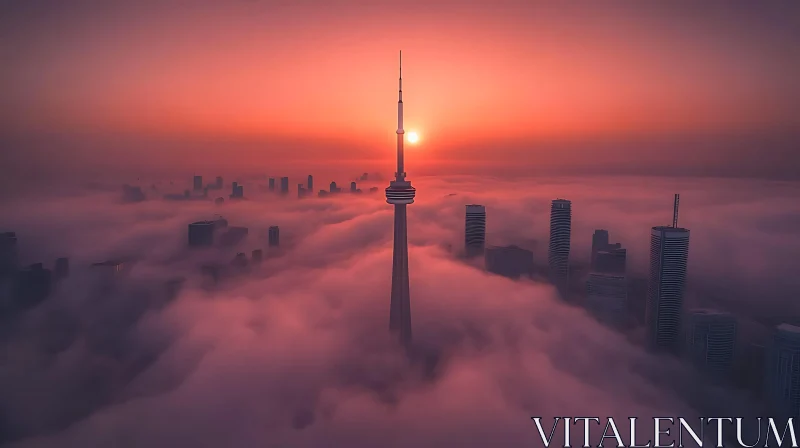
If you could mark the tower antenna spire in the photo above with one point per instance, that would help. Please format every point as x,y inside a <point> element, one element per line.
<point>675,210</point>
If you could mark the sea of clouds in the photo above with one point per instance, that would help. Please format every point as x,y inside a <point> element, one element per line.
<point>296,352</point>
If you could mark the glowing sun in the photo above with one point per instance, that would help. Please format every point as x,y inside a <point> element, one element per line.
<point>413,137</point>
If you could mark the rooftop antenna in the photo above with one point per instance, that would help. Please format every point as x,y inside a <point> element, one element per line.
<point>675,211</point>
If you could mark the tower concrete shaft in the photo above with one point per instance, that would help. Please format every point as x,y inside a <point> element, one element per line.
<point>400,193</point>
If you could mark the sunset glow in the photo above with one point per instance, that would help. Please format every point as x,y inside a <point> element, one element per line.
<point>413,137</point>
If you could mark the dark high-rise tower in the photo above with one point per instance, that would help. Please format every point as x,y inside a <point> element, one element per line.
<point>284,185</point>
<point>400,193</point>
<point>558,251</point>
<point>274,236</point>
<point>310,184</point>
<point>475,230</point>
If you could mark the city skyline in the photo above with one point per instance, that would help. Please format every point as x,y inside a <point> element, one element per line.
<point>206,237</point>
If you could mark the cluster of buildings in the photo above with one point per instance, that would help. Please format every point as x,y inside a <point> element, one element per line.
<point>25,287</point>
<point>217,232</point>
<point>707,337</point>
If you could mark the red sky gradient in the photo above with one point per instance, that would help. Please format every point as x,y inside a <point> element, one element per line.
<point>500,78</point>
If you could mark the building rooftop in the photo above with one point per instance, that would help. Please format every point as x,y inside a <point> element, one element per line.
<point>670,229</point>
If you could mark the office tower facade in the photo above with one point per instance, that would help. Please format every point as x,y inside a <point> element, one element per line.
<point>400,193</point>
<point>509,261</point>
<point>669,255</point>
<point>782,372</point>
<point>274,236</point>
<point>198,183</point>
<point>353,187</point>
<point>201,234</point>
<point>711,341</point>
<point>474,230</point>
<point>612,261</point>
<point>558,249</point>
<point>607,287</point>
<point>271,184</point>
<point>284,185</point>
<point>599,242</point>
<point>310,186</point>
<point>9,260</point>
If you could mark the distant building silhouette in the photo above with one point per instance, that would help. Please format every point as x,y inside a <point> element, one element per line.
<point>34,284</point>
<point>558,250</point>
<point>310,186</point>
<point>301,190</point>
<point>711,341</point>
<point>322,193</point>
<point>219,201</point>
<point>607,287</point>
<point>61,269</point>
<point>109,272</point>
<point>240,261</point>
<point>353,187</point>
<point>274,236</point>
<point>9,262</point>
<point>284,185</point>
<point>474,230</point>
<point>600,243</point>
<point>782,372</point>
<point>237,191</point>
<point>509,261</point>
<point>373,189</point>
<point>257,256</point>
<point>669,254</point>
<point>334,188</point>
<point>271,184</point>
<point>198,183</point>
<point>219,184</point>
<point>132,194</point>
<point>220,223</point>
<point>201,234</point>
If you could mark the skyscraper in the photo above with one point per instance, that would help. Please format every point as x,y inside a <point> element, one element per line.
<point>274,236</point>
<point>271,184</point>
<point>310,184</point>
<point>475,230</point>
<point>558,250</point>
<point>669,254</point>
<point>218,184</point>
<point>607,287</point>
<point>599,242</point>
<point>198,183</point>
<point>400,193</point>
<point>9,261</point>
<point>284,185</point>
<point>782,372</point>
<point>711,340</point>
<point>201,234</point>
<point>353,187</point>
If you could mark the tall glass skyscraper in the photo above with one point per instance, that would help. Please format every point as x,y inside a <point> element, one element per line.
<point>669,254</point>
<point>558,250</point>
<point>475,230</point>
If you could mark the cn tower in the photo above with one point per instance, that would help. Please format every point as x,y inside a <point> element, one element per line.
<point>400,193</point>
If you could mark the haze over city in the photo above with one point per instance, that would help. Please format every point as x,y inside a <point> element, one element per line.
<point>210,235</point>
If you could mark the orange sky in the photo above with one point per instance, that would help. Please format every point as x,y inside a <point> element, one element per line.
<point>473,75</point>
